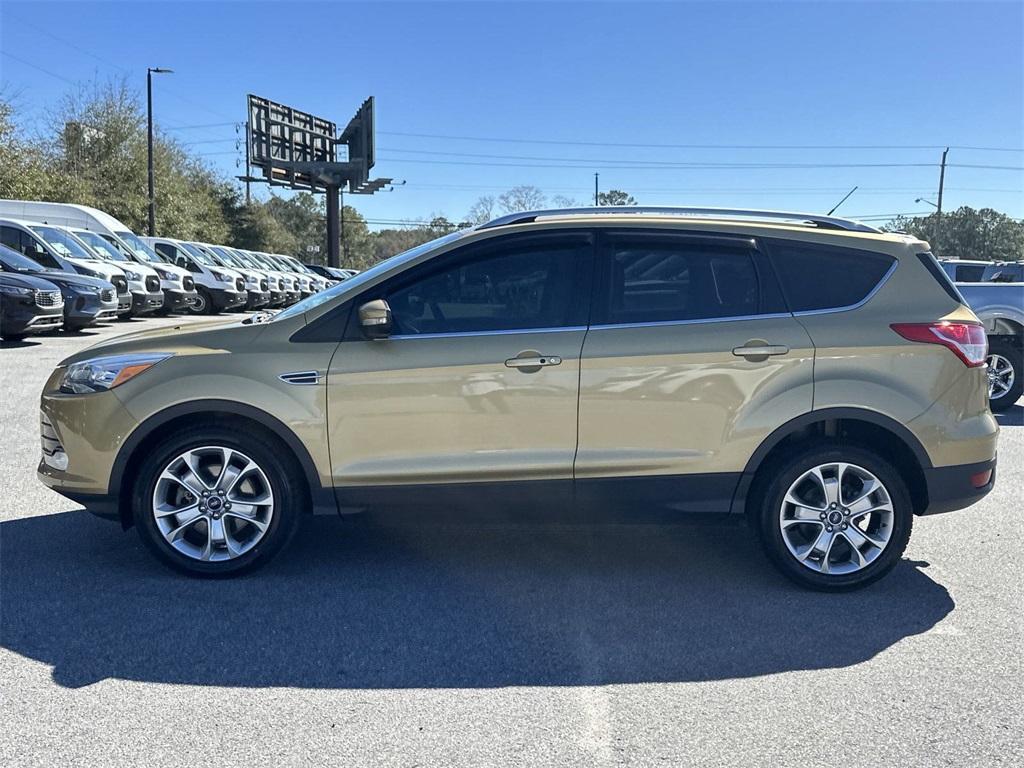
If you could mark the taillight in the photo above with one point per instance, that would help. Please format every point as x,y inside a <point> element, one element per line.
<point>965,340</point>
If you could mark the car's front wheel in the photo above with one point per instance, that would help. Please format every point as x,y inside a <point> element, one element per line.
<point>835,517</point>
<point>211,503</point>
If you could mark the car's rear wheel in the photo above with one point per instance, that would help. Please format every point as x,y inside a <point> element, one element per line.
<point>1005,374</point>
<point>835,517</point>
<point>208,502</point>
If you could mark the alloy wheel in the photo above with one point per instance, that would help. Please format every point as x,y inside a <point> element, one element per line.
<point>1001,376</point>
<point>213,503</point>
<point>836,518</point>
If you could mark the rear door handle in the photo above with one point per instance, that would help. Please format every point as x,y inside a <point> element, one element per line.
<point>533,362</point>
<point>761,350</point>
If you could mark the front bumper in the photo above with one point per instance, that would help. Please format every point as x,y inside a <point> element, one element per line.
<point>144,303</point>
<point>257,299</point>
<point>959,486</point>
<point>228,299</point>
<point>87,308</point>
<point>277,298</point>
<point>124,303</point>
<point>21,318</point>
<point>179,299</point>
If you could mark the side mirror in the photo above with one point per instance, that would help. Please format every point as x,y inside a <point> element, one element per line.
<point>375,319</point>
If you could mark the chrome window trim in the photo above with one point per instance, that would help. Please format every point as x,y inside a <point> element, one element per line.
<point>507,332</point>
<point>660,323</point>
<point>871,294</point>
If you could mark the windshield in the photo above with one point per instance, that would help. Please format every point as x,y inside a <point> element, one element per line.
<point>139,248</point>
<point>356,282</point>
<point>226,257</point>
<point>200,254</point>
<point>63,243</point>
<point>104,249</point>
<point>246,260</point>
<point>15,262</point>
<point>264,262</point>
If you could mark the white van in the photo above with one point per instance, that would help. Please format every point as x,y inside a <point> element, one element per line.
<point>218,288</point>
<point>167,278</point>
<point>64,242</point>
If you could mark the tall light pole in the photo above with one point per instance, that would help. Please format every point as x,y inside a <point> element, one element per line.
<point>150,71</point>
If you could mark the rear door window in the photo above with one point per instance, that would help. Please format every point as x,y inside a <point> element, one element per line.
<point>820,277</point>
<point>645,280</point>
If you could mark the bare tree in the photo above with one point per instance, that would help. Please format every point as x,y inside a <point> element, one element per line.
<point>482,210</point>
<point>522,198</point>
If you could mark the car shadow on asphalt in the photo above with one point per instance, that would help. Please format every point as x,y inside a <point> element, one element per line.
<point>1012,416</point>
<point>364,607</point>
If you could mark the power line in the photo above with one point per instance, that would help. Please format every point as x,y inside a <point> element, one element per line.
<point>578,143</point>
<point>37,67</point>
<point>124,71</point>
<point>194,127</point>
<point>641,165</point>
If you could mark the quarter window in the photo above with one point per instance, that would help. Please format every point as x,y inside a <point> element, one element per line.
<point>487,291</point>
<point>664,282</point>
<point>823,277</point>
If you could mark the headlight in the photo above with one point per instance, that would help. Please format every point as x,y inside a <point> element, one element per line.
<point>224,278</point>
<point>132,275</point>
<point>14,290</point>
<point>101,373</point>
<point>166,275</point>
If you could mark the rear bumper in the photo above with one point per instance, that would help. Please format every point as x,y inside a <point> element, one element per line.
<point>959,486</point>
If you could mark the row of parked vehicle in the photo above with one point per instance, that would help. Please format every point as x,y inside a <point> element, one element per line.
<point>70,266</point>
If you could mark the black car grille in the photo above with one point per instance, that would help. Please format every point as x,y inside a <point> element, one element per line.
<point>239,284</point>
<point>188,283</point>
<point>152,284</point>
<point>263,285</point>
<point>120,283</point>
<point>108,294</point>
<point>49,299</point>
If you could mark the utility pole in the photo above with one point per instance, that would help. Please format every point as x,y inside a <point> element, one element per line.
<point>938,207</point>
<point>595,190</point>
<point>248,171</point>
<point>341,219</point>
<point>150,71</point>
<point>333,203</point>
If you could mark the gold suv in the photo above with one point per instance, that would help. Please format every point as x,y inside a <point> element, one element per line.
<point>811,375</point>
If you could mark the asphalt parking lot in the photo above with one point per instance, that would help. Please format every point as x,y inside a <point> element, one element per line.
<point>497,645</point>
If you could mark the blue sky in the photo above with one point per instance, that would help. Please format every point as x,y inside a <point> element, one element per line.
<point>574,85</point>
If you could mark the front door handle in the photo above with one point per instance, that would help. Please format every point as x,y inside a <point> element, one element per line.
<point>534,361</point>
<point>761,351</point>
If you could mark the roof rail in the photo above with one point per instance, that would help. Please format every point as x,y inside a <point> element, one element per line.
<point>815,219</point>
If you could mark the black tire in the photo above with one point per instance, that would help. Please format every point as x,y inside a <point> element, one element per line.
<point>286,481</point>
<point>1012,350</point>
<point>773,483</point>
<point>203,304</point>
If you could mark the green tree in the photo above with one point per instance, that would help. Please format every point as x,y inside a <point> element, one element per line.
<point>25,172</point>
<point>966,233</point>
